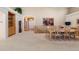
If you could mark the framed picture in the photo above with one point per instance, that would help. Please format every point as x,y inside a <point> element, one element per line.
<point>48,21</point>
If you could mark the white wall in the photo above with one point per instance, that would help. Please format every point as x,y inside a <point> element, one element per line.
<point>39,13</point>
<point>3,23</point>
<point>19,18</point>
<point>2,18</point>
<point>73,18</point>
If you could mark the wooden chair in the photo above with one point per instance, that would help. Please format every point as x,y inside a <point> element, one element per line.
<point>66,33</point>
<point>51,30</point>
<point>72,33</point>
<point>77,34</point>
<point>58,34</point>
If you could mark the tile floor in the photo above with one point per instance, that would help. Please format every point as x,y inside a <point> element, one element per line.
<point>29,41</point>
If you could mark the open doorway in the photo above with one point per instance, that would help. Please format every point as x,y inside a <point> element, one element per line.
<point>28,23</point>
<point>11,24</point>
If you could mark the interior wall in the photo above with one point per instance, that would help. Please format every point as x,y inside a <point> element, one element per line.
<point>3,23</point>
<point>58,13</point>
<point>73,18</point>
<point>18,18</point>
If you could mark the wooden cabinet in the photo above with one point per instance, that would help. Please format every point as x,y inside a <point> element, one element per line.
<point>11,24</point>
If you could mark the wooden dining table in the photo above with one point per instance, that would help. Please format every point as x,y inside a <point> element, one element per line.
<point>62,30</point>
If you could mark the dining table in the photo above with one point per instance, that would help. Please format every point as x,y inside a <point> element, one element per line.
<point>70,31</point>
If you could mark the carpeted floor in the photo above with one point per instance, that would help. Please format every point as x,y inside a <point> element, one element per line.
<point>29,41</point>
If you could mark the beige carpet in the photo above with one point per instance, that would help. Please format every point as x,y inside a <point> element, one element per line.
<point>29,41</point>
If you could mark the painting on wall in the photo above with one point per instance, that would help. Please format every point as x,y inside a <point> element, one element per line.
<point>48,21</point>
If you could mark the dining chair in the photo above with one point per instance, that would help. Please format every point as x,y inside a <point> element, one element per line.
<point>66,33</point>
<point>58,34</point>
<point>51,31</point>
<point>72,33</point>
<point>77,34</point>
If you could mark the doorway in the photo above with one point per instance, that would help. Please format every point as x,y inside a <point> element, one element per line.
<point>28,23</point>
<point>11,24</point>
